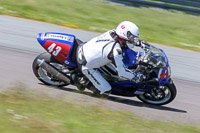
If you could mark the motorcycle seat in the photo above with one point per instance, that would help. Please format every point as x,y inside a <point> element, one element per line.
<point>77,42</point>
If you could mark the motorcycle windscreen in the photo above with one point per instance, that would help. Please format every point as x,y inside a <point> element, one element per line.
<point>57,44</point>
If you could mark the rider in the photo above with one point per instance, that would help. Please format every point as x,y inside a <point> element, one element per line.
<point>105,49</point>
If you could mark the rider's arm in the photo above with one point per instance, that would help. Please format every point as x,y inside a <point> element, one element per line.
<point>117,54</point>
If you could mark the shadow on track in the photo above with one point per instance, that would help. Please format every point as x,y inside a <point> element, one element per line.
<point>124,100</point>
<point>141,104</point>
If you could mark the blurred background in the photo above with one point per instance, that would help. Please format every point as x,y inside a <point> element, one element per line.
<point>33,107</point>
<point>169,22</point>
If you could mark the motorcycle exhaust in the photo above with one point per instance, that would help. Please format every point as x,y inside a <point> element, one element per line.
<point>53,71</point>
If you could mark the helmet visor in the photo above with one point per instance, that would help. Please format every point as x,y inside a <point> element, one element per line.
<point>131,38</point>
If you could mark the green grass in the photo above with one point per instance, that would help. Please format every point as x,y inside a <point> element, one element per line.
<point>22,111</point>
<point>169,28</point>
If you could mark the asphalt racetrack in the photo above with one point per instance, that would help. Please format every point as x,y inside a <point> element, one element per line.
<point>19,47</point>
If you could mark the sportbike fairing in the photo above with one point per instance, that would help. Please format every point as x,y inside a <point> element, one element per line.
<point>59,45</point>
<point>157,58</point>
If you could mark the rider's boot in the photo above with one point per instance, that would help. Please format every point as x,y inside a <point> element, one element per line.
<point>79,82</point>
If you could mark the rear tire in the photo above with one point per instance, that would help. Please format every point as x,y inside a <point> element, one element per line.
<point>42,74</point>
<point>168,97</point>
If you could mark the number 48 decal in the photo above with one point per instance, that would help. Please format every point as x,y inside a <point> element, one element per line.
<point>56,51</point>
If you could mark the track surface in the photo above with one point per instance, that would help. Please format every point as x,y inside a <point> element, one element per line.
<point>19,47</point>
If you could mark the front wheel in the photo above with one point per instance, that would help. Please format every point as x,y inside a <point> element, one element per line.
<point>159,96</point>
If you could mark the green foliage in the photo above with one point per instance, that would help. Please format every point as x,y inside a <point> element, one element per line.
<point>159,26</point>
<point>23,111</point>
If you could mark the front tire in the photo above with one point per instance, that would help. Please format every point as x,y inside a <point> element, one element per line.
<point>42,74</point>
<point>164,96</point>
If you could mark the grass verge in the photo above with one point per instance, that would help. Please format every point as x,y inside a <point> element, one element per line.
<point>22,111</point>
<point>170,28</point>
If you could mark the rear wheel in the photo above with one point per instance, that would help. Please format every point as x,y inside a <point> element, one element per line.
<point>159,96</point>
<point>43,75</point>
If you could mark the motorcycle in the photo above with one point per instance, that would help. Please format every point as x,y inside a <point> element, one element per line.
<point>58,67</point>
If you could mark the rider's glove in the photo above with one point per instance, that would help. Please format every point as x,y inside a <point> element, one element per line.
<point>144,44</point>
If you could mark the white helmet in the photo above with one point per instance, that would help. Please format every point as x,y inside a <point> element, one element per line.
<point>129,32</point>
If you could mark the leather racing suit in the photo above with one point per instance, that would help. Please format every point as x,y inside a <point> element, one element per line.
<point>98,52</point>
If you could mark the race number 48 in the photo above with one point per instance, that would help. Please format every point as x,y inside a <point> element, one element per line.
<point>56,50</point>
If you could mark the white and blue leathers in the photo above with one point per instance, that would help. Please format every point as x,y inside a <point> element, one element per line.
<point>98,52</point>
